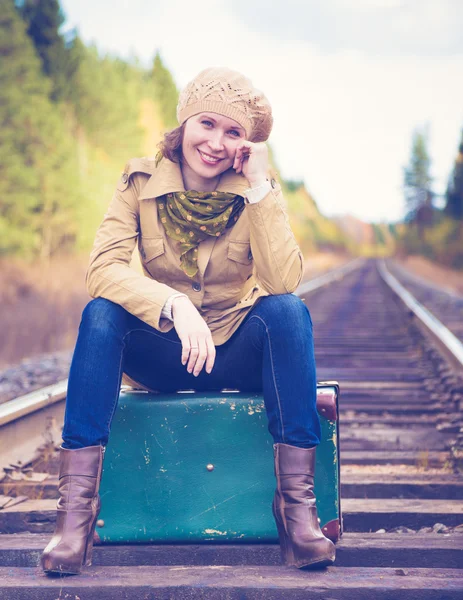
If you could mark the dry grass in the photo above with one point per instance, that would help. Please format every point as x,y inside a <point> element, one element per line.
<point>40,306</point>
<point>434,273</point>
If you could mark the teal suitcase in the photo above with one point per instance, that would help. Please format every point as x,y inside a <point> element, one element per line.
<point>194,467</point>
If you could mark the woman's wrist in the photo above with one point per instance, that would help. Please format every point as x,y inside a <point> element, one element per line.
<point>257,181</point>
<point>257,193</point>
<point>179,300</point>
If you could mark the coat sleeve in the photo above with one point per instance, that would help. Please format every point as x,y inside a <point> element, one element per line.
<point>278,260</point>
<point>109,274</point>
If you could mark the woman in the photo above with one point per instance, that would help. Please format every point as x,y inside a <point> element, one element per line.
<point>214,309</point>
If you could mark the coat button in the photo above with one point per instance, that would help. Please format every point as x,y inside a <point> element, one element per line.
<point>273,183</point>
<point>196,286</point>
<point>124,178</point>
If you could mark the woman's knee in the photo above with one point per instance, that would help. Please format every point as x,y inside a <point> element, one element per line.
<point>286,308</point>
<point>101,315</point>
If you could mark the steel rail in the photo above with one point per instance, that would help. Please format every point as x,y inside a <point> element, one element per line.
<point>444,335</point>
<point>332,275</point>
<point>29,403</point>
<point>428,284</point>
<point>24,405</point>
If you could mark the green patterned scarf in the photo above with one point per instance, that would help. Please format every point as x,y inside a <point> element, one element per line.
<point>191,217</point>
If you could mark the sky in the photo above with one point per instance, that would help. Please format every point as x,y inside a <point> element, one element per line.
<point>349,81</point>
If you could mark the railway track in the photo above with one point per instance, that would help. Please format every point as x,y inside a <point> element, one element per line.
<point>401,488</point>
<point>445,303</point>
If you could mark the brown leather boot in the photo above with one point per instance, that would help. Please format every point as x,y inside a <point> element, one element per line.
<point>77,511</point>
<point>302,542</point>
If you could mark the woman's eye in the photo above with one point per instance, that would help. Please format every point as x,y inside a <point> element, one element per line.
<point>207,122</point>
<point>235,133</point>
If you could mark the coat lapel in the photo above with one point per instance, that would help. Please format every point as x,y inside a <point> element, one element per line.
<point>168,178</point>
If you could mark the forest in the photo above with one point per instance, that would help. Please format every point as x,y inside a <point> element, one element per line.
<point>72,116</point>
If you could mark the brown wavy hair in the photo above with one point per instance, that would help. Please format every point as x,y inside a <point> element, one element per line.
<point>171,146</point>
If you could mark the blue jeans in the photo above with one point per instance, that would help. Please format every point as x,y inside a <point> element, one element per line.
<point>270,352</point>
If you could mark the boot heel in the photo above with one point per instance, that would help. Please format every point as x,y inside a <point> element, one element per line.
<point>89,548</point>
<point>287,554</point>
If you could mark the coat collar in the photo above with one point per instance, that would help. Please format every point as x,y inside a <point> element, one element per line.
<point>168,178</point>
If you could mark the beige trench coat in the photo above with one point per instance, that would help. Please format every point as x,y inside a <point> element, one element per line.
<point>256,257</point>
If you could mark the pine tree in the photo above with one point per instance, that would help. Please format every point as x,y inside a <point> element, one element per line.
<point>417,182</point>
<point>165,92</point>
<point>106,97</point>
<point>44,19</point>
<point>38,187</point>
<point>454,194</point>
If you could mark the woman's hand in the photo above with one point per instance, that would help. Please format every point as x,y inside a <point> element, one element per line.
<point>197,345</point>
<point>252,160</point>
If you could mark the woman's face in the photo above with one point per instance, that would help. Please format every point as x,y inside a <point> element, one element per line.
<point>209,143</point>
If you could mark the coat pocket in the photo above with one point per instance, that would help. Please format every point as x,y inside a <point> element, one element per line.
<point>240,265</point>
<point>151,248</point>
<point>153,256</point>
<point>240,252</point>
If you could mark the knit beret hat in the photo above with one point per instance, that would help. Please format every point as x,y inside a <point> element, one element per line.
<point>228,93</point>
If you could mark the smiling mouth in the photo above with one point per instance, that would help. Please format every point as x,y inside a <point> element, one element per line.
<point>210,160</point>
